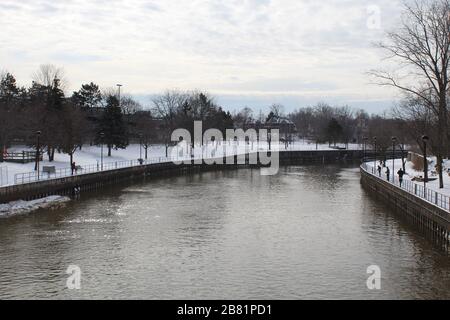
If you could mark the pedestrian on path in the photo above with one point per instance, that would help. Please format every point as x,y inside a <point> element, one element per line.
<point>400,173</point>
<point>379,171</point>
<point>388,174</point>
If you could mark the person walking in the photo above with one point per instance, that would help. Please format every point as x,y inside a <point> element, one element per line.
<point>388,174</point>
<point>379,171</point>
<point>400,173</point>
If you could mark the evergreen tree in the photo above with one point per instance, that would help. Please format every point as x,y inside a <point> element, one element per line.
<point>334,131</point>
<point>8,89</point>
<point>113,126</point>
<point>9,113</point>
<point>89,96</point>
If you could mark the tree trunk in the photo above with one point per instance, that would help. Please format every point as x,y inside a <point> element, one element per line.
<point>146,153</point>
<point>109,150</point>
<point>51,153</point>
<point>445,124</point>
<point>448,151</point>
<point>442,137</point>
<point>71,161</point>
<point>441,174</point>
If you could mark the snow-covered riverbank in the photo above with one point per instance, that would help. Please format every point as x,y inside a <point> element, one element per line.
<point>21,207</point>
<point>411,173</point>
<point>90,156</point>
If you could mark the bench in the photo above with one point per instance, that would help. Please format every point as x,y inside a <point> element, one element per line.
<point>49,170</point>
<point>338,148</point>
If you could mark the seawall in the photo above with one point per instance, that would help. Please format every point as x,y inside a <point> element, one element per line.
<point>429,219</point>
<point>67,186</point>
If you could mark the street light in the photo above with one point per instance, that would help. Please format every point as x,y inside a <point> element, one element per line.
<point>38,148</point>
<point>394,140</point>
<point>140,147</point>
<point>425,140</point>
<point>102,136</point>
<point>119,86</point>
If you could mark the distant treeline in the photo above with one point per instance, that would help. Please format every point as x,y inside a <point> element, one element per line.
<point>93,116</point>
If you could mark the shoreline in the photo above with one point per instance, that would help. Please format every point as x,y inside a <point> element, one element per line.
<point>430,220</point>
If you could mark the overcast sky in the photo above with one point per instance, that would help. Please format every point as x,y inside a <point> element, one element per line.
<point>244,52</point>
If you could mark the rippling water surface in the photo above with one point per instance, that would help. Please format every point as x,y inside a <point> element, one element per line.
<point>309,232</point>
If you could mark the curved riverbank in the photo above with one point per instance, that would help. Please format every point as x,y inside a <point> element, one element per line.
<point>70,185</point>
<point>430,220</point>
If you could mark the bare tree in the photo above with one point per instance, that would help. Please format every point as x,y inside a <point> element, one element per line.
<point>421,45</point>
<point>74,130</point>
<point>243,118</point>
<point>303,119</point>
<point>47,74</point>
<point>277,110</point>
<point>129,105</point>
<point>417,118</point>
<point>146,129</point>
<point>166,107</point>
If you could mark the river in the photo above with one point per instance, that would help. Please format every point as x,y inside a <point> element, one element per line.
<point>310,232</point>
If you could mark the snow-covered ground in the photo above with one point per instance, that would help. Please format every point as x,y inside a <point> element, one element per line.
<point>411,174</point>
<point>24,207</point>
<point>89,157</point>
<point>432,193</point>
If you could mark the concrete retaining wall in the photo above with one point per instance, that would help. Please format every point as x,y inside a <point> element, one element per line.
<point>87,182</point>
<point>431,220</point>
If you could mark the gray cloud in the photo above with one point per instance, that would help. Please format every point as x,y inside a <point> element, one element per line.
<point>226,47</point>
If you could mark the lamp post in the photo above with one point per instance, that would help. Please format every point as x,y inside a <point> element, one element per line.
<point>375,149</point>
<point>140,146</point>
<point>102,136</point>
<point>394,140</point>
<point>119,86</point>
<point>38,148</point>
<point>425,140</point>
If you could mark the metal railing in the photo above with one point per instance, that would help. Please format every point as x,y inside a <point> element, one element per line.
<point>24,156</point>
<point>200,154</point>
<point>29,177</point>
<point>420,191</point>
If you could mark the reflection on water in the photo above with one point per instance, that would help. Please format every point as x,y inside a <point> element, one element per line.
<point>309,232</point>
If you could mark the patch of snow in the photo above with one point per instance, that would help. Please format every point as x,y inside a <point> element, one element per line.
<point>25,207</point>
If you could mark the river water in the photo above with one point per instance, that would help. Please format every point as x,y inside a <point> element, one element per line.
<point>308,233</point>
